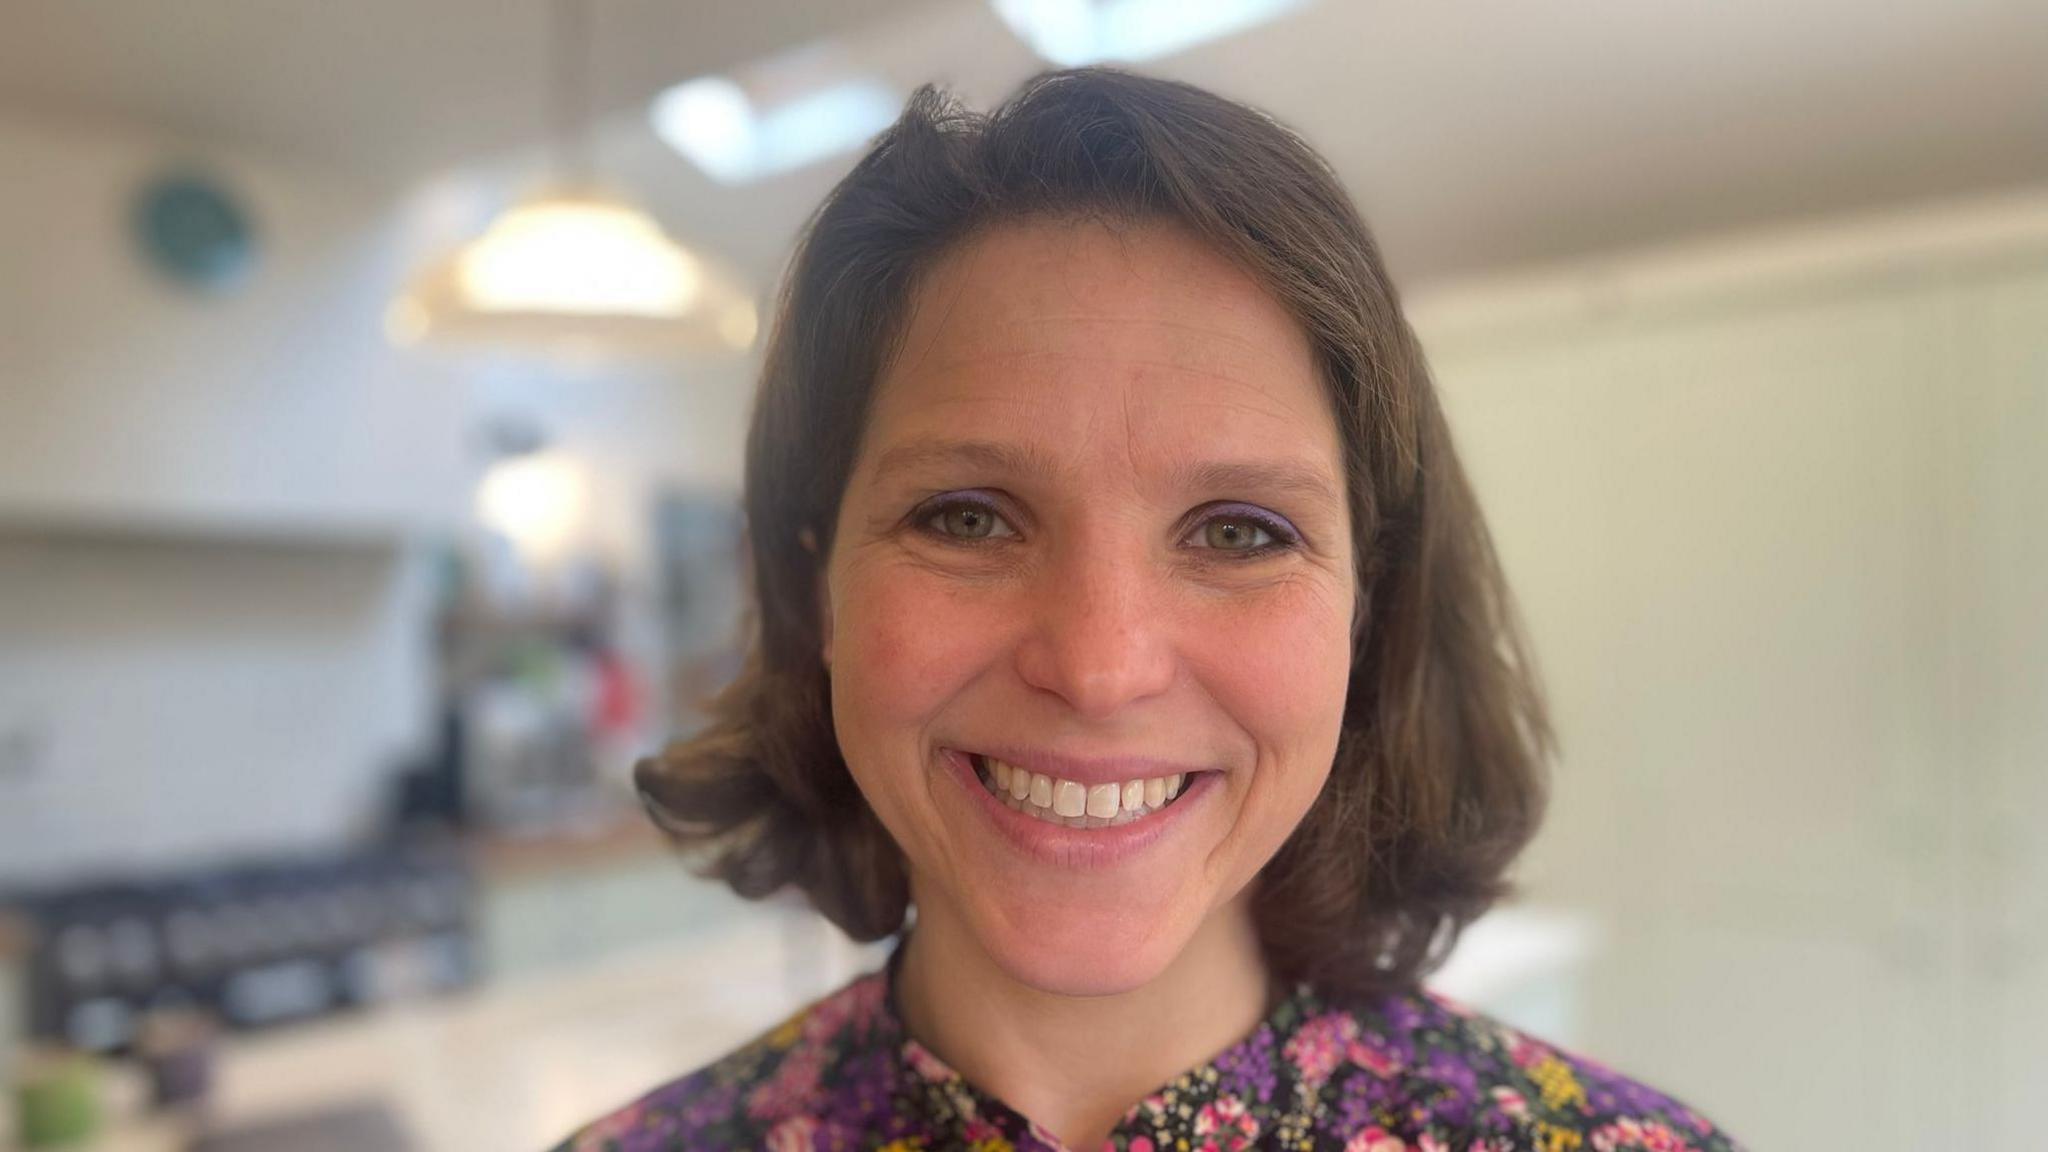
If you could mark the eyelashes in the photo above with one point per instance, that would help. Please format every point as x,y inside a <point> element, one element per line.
<point>966,518</point>
<point>1227,528</point>
<point>961,516</point>
<point>1278,534</point>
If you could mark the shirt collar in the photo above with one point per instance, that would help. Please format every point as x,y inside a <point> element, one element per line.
<point>1244,1090</point>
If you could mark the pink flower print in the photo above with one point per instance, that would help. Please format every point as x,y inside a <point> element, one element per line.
<point>793,1086</point>
<point>1225,1125</point>
<point>1511,1102</point>
<point>796,1080</point>
<point>1376,1139</point>
<point>1317,1046</point>
<point>1631,1135</point>
<point>1526,1053</point>
<point>1142,1144</point>
<point>1372,1052</point>
<point>793,1135</point>
<point>859,1003</point>
<point>866,1001</point>
<point>925,1064</point>
<point>616,1126</point>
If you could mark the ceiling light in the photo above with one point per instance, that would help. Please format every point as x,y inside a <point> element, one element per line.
<point>739,130</point>
<point>536,501</point>
<point>578,254</point>
<point>1071,33</point>
<point>575,267</point>
<point>577,270</point>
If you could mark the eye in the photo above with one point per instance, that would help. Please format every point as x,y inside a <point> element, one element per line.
<point>1235,535</point>
<point>1242,532</point>
<point>966,520</point>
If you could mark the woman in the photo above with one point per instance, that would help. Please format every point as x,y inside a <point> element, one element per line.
<point>1124,611</point>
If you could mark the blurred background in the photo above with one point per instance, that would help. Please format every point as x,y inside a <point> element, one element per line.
<point>373,379</point>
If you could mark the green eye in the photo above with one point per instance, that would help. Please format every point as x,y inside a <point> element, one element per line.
<point>1235,534</point>
<point>968,521</point>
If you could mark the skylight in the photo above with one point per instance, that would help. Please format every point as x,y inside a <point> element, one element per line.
<point>727,127</point>
<point>1071,33</point>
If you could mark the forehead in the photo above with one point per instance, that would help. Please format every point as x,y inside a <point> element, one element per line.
<point>1039,330</point>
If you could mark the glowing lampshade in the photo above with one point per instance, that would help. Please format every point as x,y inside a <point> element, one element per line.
<point>580,270</point>
<point>580,256</point>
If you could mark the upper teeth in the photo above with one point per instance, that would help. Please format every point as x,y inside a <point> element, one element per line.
<point>1088,805</point>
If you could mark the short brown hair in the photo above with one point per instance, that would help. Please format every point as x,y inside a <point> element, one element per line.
<point>1440,772</point>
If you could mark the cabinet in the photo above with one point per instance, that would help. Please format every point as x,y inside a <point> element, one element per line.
<point>1782,548</point>
<point>2002,701</point>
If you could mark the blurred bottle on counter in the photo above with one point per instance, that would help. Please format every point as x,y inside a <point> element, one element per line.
<point>539,706</point>
<point>58,1098</point>
<point>175,1047</point>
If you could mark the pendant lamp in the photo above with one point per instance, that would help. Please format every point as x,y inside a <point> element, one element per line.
<point>576,267</point>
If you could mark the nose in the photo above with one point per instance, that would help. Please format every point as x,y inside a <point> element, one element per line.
<point>1100,635</point>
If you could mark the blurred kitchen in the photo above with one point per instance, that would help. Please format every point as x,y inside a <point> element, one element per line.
<point>373,383</point>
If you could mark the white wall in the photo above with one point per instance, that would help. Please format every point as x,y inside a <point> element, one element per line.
<point>187,701</point>
<point>1998,705</point>
<point>209,596</point>
<point>213,508</point>
<point>279,403</point>
<point>1777,514</point>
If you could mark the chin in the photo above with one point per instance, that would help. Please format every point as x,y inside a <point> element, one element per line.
<point>1049,947</point>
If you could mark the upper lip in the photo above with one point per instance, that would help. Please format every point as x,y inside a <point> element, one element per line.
<point>1085,769</point>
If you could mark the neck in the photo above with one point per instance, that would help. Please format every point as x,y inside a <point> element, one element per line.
<point>1076,1064</point>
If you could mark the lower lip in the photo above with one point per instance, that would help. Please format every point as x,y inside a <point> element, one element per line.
<point>1083,848</point>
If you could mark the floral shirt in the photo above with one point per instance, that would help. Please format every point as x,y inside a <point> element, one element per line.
<point>1413,1072</point>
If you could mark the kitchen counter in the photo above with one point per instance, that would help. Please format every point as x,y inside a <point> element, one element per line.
<point>630,839</point>
<point>520,1063</point>
<point>550,905</point>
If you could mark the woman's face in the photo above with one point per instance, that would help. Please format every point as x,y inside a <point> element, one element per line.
<point>1097,532</point>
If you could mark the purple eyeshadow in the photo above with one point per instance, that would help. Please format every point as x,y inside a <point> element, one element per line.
<point>1275,524</point>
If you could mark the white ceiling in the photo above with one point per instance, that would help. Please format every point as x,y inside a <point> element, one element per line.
<point>400,85</point>
<point>1475,134</point>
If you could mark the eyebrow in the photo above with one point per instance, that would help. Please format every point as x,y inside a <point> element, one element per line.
<point>986,455</point>
<point>1281,476</point>
<point>1289,477</point>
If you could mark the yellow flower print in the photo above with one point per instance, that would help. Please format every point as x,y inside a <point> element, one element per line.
<point>1560,1088</point>
<point>786,1033</point>
<point>1550,1138</point>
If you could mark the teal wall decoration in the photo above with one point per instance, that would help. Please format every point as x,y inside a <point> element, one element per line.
<point>193,230</point>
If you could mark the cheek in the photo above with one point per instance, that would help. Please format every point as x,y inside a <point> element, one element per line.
<point>1280,665</point>
<point>904,644</point>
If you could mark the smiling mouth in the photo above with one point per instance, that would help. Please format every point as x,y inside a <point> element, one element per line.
<point>1076,805</point>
